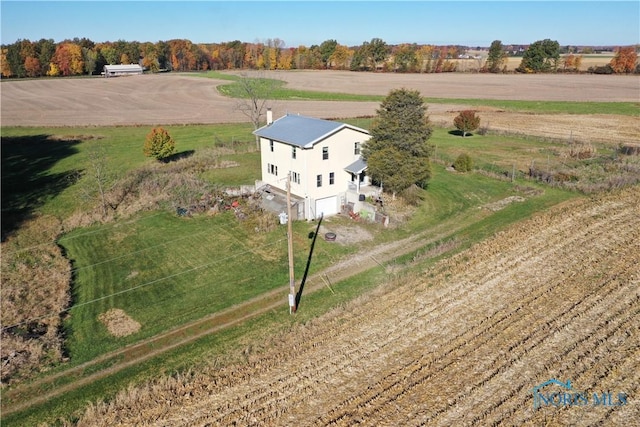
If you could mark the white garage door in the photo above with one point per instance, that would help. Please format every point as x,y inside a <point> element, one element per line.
<point>327,206</point>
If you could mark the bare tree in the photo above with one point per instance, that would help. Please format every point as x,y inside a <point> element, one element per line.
<point>254,94</point>
<point>98,177</point>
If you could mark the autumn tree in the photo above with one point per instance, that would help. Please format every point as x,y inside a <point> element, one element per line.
<point>68,58</point>
<point>151,62</point>
<point>425,58</point>
<point>405,58</point>
<point>466,121</point>
<point>109,54</point>
<point>577,62</point>
<point>159,144</point>
<point>4,65</point>
<point>398,152</point>
<point>32,66</point>
<point>232,54</point>
<point>272,53</point>
<point>541,56</point>
<point>624,61</point>
<point>496,59</point>
<point>571,62</point>
<point>53,70</point>
<point>340,57</point>
<point>285,59</point>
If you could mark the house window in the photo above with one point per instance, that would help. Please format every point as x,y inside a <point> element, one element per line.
<point>332,177</point>
<point>356,148</point>
<point>325,153</point>
<point>293,152</point>
<point>272,169</point>
<point>271,145</point>
<point>295,177</point>
<point>319,181</point>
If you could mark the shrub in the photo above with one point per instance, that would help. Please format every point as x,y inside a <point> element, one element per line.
<point>580,150</point>
<point>159,144</point>
<point>603,69</point>
<point>463,163</point>
<point>466,121</point>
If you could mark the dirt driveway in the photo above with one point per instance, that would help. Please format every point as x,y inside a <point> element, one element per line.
<point>186,99</point>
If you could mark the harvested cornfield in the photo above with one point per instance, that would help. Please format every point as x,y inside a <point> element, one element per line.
<point>464,343</point>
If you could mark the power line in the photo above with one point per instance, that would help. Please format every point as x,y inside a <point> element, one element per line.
<point>65,238</point>
<point>76,269</point>
<point>199,267</point>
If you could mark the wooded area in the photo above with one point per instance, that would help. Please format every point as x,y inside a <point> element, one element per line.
<point>26,58</point>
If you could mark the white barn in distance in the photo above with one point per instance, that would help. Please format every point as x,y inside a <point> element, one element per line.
<point>122,70</point>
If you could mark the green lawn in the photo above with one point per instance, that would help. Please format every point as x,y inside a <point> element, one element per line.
<point>52,157</point>
<point>164,270</point>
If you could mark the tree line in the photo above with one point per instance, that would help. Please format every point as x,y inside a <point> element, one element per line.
<point>44,57</point>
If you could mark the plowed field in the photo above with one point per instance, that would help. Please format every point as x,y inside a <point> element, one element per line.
<point>464,343</point>
<point>182,99</point>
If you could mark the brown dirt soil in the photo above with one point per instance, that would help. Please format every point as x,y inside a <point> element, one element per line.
<point>182,99</point>
<point>464,343</point>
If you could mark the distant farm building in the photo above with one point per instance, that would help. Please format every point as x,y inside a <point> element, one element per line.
<point>122,70</point>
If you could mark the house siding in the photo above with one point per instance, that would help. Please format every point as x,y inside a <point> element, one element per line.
<point>309,164</point>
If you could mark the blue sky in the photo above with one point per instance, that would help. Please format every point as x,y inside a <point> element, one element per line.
<point>471,23</point>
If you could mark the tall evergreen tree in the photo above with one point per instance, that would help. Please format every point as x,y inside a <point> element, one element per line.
<point>398,152</point>
<point>541,56</point>
<point>496,58</point>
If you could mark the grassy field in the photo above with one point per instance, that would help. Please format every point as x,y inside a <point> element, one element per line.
<point>56,155</point>
<point>150,240</point>
<point>163,270</point>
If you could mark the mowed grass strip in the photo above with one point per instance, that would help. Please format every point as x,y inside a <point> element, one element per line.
<point>163,272</point>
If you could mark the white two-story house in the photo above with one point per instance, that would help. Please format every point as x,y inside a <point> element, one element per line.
<point>322,158</point>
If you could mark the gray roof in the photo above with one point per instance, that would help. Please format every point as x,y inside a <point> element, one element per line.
<point>302,131</point>
<point>356,167</point>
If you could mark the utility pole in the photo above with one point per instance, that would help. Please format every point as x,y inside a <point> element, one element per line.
<point>292,279</point>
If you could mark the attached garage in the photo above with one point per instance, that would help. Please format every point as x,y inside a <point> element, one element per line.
<point>327,206</point>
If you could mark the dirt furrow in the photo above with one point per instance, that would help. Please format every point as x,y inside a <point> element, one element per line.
<point>377,394</point>
<point>383,392</point>
<point>525,321</point>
